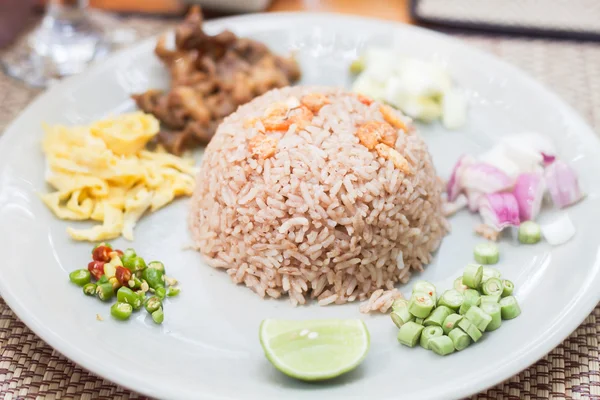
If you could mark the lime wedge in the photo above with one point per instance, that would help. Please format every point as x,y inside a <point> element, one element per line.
<point>314,350</point>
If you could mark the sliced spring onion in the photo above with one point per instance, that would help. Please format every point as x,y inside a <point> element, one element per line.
<point>529,232</point>
<point>509,307</point>
<point>507,288</point>
<point>559,231</point>
<point>427,287</point>
<point>486,253</point>
<point>472,275</point>
<point>492,287</point>
<point>490,298</point>
<point>410,333</point>
<point>419,321</point>
<point>452,299</point>
<point>399,303</point>
<point>489,272</point>
<point>478,318</point>
<point>459,338</point>
<point>428,333</point>
<point>420,304</point>
<point>472,298</point>
<point>459,285</point>
<point>401,316</point>
<point>470,329</point>
<point>494,311</point>
<point>437,317</point>
<point>529,191</point>
<point>451,322</point>
<point>441,345</point>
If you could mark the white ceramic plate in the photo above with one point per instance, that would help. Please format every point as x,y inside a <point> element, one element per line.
<point>208,347</point>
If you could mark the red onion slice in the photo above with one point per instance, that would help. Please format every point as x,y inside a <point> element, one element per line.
<point>499,210</point>
<point>451,208</point>
<point>485,178</point>
<point>527,149</point>
<point>563,184</point>
<point>454,187</point>
<point>529,192</point>
<point>473,198</point>
<point>548,159</point>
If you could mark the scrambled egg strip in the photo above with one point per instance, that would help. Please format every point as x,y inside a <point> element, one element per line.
<point>103,173</point>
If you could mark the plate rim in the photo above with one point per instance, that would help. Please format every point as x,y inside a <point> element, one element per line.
<point>124,378</point>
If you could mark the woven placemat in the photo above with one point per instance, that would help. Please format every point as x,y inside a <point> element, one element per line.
<point>30,369</point>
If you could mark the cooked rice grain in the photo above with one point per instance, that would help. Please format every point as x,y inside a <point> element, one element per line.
<point>324,217</point>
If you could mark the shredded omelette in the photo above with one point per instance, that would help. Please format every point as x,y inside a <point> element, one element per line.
<point>104,173</point>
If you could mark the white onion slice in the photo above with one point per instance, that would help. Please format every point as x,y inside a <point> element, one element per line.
<point>454,109</point>
<point>559,231</point>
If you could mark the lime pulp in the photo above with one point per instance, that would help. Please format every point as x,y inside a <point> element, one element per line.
<point>315,349</point>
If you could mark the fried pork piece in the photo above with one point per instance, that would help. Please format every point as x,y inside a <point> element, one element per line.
<point>210,77</point>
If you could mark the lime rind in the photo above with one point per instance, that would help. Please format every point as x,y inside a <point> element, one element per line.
<point>314,350</point>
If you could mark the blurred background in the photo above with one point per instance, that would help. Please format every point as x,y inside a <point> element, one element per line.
<point>44,40</point>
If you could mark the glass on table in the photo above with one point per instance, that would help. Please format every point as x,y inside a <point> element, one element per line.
<point>65,43</point>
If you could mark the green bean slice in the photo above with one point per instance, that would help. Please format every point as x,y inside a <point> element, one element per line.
<point>428,333</point>
<point>492,287</point>
<point>509,307</point>
<point>486,253</point>
<point>452,299</point>
<point>438,316</point>
<point>529,232</point>
<point>420,304</point>
<point>410,333</point>
<point>507,288</point>
<point>441,345</point>
<point>459,338</point>
<point>494,311</point>
<point>472,275</point>
<point>478,318</point>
